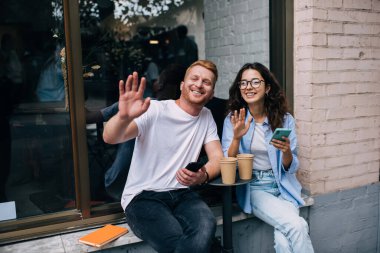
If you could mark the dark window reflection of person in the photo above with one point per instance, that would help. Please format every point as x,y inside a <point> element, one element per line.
<point>166,87</point>
<point>151,74</point>
<point>50,85</point>
<point>186,48</point>
<point>168,84</point>
<point>12,67</point>
<point>5,137</point>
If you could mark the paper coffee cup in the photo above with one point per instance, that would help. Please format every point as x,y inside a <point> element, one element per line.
<point>228,169</point>
<point>245,166</point>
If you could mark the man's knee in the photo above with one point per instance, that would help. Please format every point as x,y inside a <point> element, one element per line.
<point>206,226</point>
<point>198,235</point>
<point>164,240</point>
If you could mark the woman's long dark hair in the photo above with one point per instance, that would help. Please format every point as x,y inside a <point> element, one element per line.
<point>275,105</point>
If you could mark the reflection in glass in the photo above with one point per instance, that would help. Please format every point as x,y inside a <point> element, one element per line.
<point>35,145</point>
<point>121,37</point>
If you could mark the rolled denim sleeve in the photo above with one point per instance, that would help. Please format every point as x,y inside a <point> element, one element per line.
<point>227,135</point>
<point>290,123</point>
<point>110,111</point>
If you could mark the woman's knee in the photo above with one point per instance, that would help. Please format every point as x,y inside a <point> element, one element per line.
<point>302,226</point>
<point>281,243</point>
<point>298,228</point>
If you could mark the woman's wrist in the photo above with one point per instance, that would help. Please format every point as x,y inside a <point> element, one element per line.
<point>287,161</point>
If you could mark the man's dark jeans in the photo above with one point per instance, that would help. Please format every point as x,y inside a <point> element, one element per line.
<point>172,221</point>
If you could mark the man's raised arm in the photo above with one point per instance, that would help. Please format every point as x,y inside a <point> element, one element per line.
<point>121,127</point>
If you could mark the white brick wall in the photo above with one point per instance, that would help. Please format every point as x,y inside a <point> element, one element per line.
<point>336,80</point>
<point>237,32</point>
<point>337,93</point>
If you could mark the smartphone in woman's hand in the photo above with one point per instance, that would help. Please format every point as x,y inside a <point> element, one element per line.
<point>279,132</point>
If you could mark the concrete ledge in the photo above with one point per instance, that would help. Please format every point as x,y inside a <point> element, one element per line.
<point>69,242</point>
<point>238,215</point>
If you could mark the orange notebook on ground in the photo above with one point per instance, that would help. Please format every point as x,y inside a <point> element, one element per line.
<point>103,235</point>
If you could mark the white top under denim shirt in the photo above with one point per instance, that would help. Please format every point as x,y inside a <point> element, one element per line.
<point>259,149</point>
<point>287,181</point>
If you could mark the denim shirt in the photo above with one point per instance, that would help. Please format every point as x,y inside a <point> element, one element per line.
<point>110,111</point>
<point>287,182</point>
<point>120,166</point>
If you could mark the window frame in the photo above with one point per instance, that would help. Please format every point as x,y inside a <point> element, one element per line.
<point>281,63</point>
<point>83,215</point>
<point>281,43</point>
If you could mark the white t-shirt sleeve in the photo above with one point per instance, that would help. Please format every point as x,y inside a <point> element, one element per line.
<point>145,120</point>
<point>212,131</point>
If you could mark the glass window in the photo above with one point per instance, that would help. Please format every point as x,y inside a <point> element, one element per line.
<point>37,151</point>
<point>119,37</point>
<point>35,144</point>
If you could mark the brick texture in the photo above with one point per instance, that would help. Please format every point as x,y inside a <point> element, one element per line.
<point>336,80</point>
<point>337,63</point>
<point>236,32</point>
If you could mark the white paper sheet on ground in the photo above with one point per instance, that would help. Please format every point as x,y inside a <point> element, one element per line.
<point>7,210</point>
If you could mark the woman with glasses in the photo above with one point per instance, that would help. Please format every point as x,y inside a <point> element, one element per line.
<point>257,106</point>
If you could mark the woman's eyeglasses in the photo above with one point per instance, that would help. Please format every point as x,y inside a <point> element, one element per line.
<point>255,83</point>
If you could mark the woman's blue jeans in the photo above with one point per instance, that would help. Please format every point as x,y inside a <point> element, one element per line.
<point>291,232</point>
<point>172,221</point>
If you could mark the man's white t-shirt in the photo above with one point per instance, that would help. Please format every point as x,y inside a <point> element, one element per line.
<point>168,139</point>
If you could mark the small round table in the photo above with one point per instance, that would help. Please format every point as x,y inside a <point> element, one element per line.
<point>227,209</point>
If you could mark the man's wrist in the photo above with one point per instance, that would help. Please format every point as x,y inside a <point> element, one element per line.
<point>122,119</point>
<point>207,178</point>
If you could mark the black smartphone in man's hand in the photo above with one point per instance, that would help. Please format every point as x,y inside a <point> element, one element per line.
<point>194,166</point>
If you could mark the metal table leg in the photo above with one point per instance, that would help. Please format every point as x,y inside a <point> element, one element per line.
<point>227,210</point>
<point>227,219</point>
